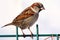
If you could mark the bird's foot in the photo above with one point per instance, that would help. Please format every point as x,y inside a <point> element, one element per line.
<point>32,36</point>
<point>24,35</point>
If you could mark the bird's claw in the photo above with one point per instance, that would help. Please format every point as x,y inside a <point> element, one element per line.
<point>24,35</point>
<point>32,36</point>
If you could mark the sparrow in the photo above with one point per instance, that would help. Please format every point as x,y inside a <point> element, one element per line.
<point>27,17</point>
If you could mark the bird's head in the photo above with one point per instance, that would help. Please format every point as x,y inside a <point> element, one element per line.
<point>37,6</point>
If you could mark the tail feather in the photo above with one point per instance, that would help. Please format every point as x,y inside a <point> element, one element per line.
<point>6,25</point>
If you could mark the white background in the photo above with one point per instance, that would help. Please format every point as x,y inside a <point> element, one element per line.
<point>49,19</point>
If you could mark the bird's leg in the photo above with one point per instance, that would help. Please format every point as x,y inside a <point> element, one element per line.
<point>31,33</point>
<point>23,33</point>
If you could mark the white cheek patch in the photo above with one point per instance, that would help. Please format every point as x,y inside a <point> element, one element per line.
<point>36,11</point>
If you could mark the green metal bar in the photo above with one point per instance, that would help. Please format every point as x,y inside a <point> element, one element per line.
<point>41,35</point>
<point>37,32</point>
<point>57,36</point>
<point>16,33</point>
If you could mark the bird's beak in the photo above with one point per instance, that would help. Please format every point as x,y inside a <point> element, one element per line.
<point>42,8</point>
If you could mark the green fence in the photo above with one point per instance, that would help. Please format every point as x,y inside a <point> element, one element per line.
<point>37,35</point>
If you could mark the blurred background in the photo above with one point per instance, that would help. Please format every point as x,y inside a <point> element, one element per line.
<point>48,21</point>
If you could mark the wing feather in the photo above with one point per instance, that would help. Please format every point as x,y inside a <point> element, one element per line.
<point>25,14</point>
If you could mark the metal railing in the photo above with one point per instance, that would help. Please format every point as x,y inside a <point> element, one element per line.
<point>37,35</point>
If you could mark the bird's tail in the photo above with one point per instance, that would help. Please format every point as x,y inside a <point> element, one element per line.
<point>6,25</point>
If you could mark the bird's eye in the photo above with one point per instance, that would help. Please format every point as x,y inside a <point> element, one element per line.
<point>41,5</point>
<point>38,6</point>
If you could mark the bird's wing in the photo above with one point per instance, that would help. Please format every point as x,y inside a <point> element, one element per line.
<point>25,14</point>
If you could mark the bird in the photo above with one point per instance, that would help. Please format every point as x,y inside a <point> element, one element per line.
<point>27,17</point>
